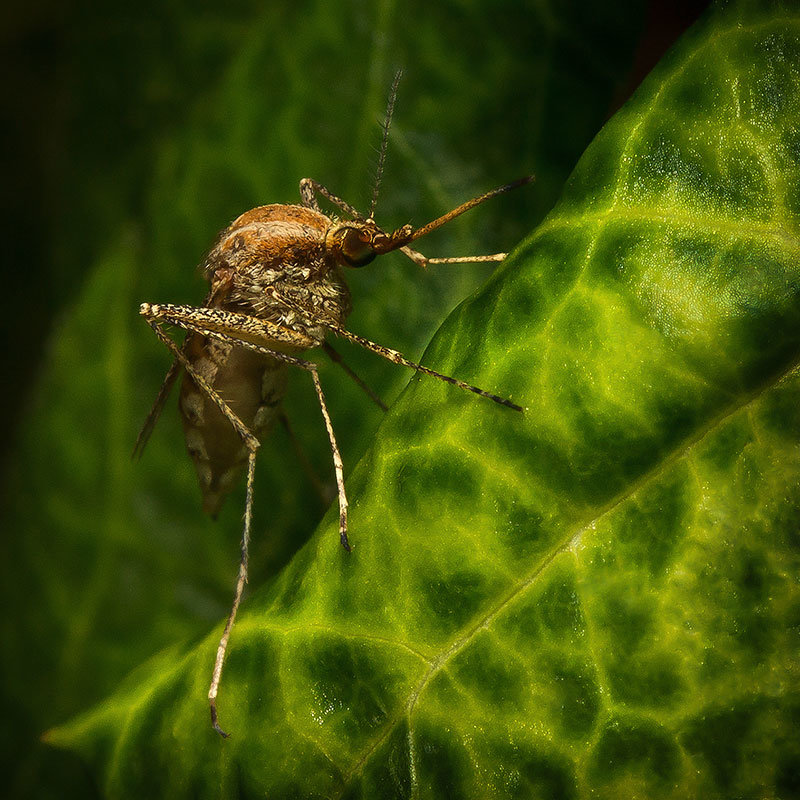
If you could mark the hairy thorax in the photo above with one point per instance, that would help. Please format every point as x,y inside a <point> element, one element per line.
<point>269,263</point>
<point>279,251</point>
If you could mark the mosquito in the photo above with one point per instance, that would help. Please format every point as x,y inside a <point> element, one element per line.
<point>276,291</point>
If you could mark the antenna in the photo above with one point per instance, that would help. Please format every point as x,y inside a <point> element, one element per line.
<point>457,212</point>
<point>387,121</point>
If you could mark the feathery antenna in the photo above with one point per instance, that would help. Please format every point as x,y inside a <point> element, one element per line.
<point>387,121</point>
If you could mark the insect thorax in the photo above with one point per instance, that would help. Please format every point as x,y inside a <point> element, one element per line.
<point>271,262</point>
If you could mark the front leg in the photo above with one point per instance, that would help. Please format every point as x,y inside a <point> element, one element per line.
<point>242,328</point>
<point>309,189</point>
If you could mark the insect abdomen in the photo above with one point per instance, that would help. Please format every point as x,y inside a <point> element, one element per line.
<point>252,385</point>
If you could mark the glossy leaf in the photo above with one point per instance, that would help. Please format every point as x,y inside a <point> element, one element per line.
<point>600,597</point>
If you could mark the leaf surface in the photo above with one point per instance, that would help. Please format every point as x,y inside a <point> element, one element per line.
<point>598,598</point>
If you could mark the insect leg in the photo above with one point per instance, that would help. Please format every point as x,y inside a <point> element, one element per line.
<point>155,411</point>
<point>230,327</point>
<point>393,355</point>
<point>308,196</point>
<point>252,445</point>
<point>329,350</point>
<point>424,261</point>
<point>309,189</point>
<point>324,495</point>
<point>241,581</point>
<point>337,458</point>
<point>250,441</point>
<point>240,328</point>
<point>399,358</point>
<point>337,359</point>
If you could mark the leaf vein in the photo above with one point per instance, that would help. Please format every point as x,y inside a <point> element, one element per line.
<point>569,542</point>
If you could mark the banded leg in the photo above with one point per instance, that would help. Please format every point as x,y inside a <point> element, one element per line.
<point>229,327</point>
<point>241,581</point>
<point>398,358</point>
<point>390,355</point>
<point>424,261</point>
<point>153,320</point>
<point>252,444</point>
<point>158,404</point>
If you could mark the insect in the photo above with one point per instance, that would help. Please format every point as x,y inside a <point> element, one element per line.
<point>276,290</point>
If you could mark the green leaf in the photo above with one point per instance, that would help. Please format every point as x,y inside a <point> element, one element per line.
<point>599,597</point>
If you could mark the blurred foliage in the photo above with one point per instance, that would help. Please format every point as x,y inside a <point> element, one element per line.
<point>173,118</point>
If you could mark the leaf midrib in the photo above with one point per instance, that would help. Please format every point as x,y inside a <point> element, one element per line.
<point>782,235</point>
<point>570,540</point>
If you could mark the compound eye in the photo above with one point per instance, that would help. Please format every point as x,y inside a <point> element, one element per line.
<point>356,247</point>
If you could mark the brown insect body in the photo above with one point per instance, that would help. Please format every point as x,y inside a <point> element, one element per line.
<point>270,249</point>
<point>276,290</point>
<point>253,387</point>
